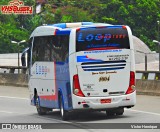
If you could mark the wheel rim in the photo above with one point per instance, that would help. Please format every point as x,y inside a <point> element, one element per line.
<point>62,110</point>
<point>37,104</point>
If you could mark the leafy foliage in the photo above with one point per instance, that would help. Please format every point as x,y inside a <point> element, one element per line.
<point>140,15</point>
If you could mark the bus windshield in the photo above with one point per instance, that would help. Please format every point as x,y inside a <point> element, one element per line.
<point>102,39</point>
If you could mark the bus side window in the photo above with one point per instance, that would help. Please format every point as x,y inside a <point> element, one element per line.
<point>51,48</point>
<point>65,48</point>
<point>41,49</point>
<point>47,53</point>
<point>56,47</point>
<point>60,48</point>
<point>46,48</point>
<point>58,43</point>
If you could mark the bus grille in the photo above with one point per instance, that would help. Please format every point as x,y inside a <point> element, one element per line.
<point>104,65</point>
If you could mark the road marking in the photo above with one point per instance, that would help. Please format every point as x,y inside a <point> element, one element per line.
<point>8,112</point>
<point>13,97</point>
<point>50,118</point>
<point>144,112</point>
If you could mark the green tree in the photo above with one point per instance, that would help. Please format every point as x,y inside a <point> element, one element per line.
<point>12,28</point>
<point>140,15</point>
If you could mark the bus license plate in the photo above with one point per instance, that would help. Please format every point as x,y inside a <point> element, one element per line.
<point>105,101</point>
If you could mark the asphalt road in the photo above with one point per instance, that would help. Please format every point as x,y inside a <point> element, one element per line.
<point>15,108</point>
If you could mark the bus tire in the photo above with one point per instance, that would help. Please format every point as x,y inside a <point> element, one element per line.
<point>120,111</point>
<point>110,113</point>
<point>40,110</point>
<point>64,113</point>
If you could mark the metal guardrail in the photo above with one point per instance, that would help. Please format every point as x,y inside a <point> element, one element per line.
<point>148,75</point>
<point>12,68</point>
<point>146,56</point>
<point>144,75</point>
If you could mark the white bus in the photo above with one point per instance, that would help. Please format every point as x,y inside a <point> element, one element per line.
<point>82,66</point>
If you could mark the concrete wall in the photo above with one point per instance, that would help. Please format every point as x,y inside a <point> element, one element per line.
<point>148,87</point>
<point>10,59</point>
<point>14,79</point>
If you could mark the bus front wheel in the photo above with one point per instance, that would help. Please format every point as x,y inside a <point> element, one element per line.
<point>64,113</point>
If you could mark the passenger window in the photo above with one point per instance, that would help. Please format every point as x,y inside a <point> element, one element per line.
<point>50,48</point>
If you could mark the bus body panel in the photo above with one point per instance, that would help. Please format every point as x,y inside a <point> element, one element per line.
<point>43,80</point>
<point>49,78</point>
<point>44,31</point>
<point>109,76</point>
<point>104,75</point>
<point>52,77</point>
<point>63,83</point>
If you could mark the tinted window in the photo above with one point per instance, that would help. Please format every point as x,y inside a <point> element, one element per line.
<point>40,49</point>
<point>59,48</point>
<point>102,38</point>
<point>50,48</point>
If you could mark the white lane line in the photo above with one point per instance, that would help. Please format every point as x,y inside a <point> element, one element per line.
<point>51,119</point>
<point>13,97</point>
<point>144,112</point>
<point>8,112</point>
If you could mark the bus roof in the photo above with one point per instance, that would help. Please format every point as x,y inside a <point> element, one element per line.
<point>65,28</point>
<point>51,28</point>
<point>71,25</point>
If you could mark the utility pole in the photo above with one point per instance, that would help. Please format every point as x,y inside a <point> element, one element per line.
<point>14,42</point>
<point>158,45</point>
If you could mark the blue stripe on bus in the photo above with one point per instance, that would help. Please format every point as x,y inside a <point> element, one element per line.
<point>63,25</point>
<point>63,83</point>
<point>104,62</point>
<point>103,66</point>
<point>94,26</point>
<point>114,26</point>
<point>104,69</point>
<point>87,59</point>
<point>63,32</point>
<point>60,25</point>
